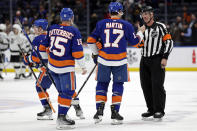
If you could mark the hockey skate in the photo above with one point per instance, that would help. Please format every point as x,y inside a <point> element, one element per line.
<point>147,116</point>
<point>46,114</point>
<point>29,75</point>
<point>17,77</point>
<point>99,114</point>
<point>79,112</point>
<point>115,116</point>
<point>64,123</point>
<point>158,116</point>
<point>22,75</point>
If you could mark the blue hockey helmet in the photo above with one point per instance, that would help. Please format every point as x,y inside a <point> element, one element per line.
<point>43,23</point>
<point>66,14</point>
<point>115,7</point>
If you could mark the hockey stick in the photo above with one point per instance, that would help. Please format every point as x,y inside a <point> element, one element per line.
<point>42,62</point>
<point>86,80</point>
<point>37,81</point>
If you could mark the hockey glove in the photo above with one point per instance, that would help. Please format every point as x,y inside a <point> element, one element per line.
<point>35,65</point>
<point>95,57</point>
<point>99,45</point>
<point>141,44</point>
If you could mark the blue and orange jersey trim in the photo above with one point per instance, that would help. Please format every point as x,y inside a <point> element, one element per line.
<point>62,63</point>
<point>91,40</point>
<point>42,48</point>
<point>35,59</point>
<point>78,55</point>
<point>112,56</point>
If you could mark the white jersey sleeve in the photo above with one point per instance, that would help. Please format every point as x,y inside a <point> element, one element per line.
<point>4,42</point>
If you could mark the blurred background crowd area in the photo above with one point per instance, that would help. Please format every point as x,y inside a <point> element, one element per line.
<point>178,15</point>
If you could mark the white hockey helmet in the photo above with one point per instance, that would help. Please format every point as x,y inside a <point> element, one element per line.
<point>17,26</point>
<point>31,30</point>
<point>2,27</point>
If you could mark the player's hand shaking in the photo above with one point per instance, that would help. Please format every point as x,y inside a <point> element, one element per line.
<point>142,28</point>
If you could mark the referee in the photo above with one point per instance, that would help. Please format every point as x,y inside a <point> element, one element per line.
<point>155,51</point>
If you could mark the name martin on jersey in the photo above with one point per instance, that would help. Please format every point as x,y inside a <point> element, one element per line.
<point>114,25</point>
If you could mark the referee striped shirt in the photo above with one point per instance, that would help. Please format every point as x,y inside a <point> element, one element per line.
<point>157,41</point>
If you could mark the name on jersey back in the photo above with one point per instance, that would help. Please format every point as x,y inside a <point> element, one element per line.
<point>114,25</point>
<point>60,32</point>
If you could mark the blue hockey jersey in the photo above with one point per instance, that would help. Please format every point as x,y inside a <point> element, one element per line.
<point>114,35</point>
<point>64,45</point>
<point>36,44</point>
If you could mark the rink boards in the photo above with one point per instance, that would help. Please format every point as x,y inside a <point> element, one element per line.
<point>180,59</point>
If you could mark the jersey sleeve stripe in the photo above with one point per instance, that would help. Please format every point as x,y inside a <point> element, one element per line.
<point>78,55</point>
<point>35,59</point>
<point>91,40</point>
<point>113,56</point>
<point>42,48</point>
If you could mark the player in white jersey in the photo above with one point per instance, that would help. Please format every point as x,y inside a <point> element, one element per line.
<point>31,35</point>
<point>17,39</point>
<point>4,45</point>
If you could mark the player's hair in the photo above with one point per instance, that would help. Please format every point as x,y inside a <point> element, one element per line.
<point>114,13</point>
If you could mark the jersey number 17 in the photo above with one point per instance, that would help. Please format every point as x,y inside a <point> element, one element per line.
<point>116,41</point>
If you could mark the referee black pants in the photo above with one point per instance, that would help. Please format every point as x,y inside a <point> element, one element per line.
<point>152,79</point>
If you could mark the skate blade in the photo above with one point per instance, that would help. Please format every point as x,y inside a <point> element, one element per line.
<point>96,121</point>
<point>147,118</point>
<point>116,122</point>
<point>158,119</point>
<point>44,118</point>
<point>65,127</point>
<point>81,117</point>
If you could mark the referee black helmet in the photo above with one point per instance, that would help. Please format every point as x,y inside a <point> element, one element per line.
<point>147,9</point>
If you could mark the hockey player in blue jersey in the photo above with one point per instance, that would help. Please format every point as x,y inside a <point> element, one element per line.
<point>40,29</point>
<point>65,48</point>
<point>114,34</point>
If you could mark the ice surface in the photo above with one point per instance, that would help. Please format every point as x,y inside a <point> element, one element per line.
<point>19,105</point>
